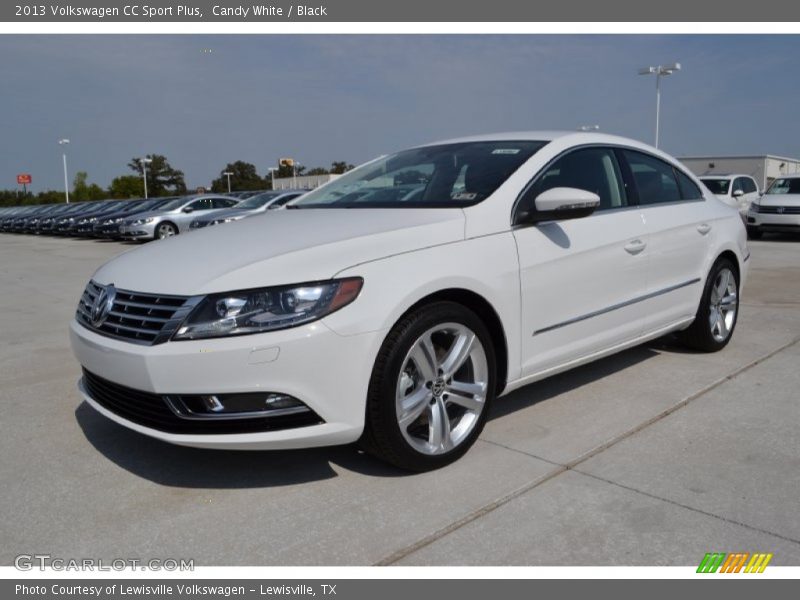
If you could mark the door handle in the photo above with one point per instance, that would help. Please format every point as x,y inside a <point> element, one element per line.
<point>703,228</point>
<point>635,246</point>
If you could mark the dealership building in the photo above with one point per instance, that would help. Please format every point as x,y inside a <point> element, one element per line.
<point>302,182</point>
<point>764,168</point>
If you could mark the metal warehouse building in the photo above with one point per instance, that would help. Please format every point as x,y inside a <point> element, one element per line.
<point>763,168</point>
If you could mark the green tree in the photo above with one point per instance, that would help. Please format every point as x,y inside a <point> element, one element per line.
<point>285,171</point>
<point>83,191</point>
<point>339,167</point>
<point>162,178</point>
<point>318,171</point>
<point>243,177</point>
<point>126,186</point>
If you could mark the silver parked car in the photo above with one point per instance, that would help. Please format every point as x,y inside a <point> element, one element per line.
<point>251,206</point>
<point>173,217</point>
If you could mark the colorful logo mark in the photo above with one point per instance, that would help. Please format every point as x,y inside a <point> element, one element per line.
<point>735,562</point>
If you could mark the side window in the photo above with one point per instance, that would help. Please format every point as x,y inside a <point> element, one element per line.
<point>738,185</point>
<point>688,189</point>
<point>655,179</point>
<point>749,186</point>
<point>591,169</point>
<point>202,204</point>
<point>223,202</point>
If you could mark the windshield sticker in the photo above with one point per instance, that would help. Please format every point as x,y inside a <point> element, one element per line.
<point>465,196</point>
<point>505,151</point>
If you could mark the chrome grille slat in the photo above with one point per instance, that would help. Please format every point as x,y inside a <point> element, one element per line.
<point>136,317</point>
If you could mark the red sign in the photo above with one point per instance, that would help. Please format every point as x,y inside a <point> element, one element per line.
<point>24,179</point>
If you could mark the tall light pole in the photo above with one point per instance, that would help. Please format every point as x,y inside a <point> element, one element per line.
<point>145,161</point>
<point>63,142</point>
<point>272,176</point>
<point>228,175</point>
<point>659,71</point>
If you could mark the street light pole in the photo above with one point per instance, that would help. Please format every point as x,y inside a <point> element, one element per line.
<point>659,71</point>
<point>228,175</point>
<point>145,162</point>
<point>272,176</point>
<point>64,142</point>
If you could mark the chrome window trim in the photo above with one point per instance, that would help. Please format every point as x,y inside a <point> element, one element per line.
<point>612,147</point>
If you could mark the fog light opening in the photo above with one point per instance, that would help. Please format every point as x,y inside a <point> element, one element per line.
<point>235,406</point>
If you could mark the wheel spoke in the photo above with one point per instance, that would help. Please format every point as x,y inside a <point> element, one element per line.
<point>728,300</point>
<point>413,406</point>
<point>439,427</point>
<point>722,326</point>
<point>724,280</point>
<point>458,354</point>
<point>424,356</point>
<point>465,400</point>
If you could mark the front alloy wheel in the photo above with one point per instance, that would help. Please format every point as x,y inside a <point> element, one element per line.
<point>165,230</point>
<point>441,391</point>
<point>431,388</point>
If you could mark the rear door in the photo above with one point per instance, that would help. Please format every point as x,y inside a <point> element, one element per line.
<point>678,228</point>
<point>580,278</point>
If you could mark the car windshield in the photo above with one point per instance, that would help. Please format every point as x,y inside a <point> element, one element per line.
<point>258,200</point>
<point>717,186</point>
<point>785,186</point>
<point>447,175</point>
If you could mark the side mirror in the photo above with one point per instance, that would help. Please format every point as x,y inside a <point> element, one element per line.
<point>187,209</point>
<point>737,193</point>
<point>560,203</point>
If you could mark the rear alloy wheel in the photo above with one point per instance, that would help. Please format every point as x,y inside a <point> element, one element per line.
<point>431,388</point>
<point>165,230</point>
<point>719,308</point>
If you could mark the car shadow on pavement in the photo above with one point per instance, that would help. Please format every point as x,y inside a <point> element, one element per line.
<point>570,380</point>
<point>179,466</point>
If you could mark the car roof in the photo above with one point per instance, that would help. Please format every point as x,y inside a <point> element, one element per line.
<point>723,175</point>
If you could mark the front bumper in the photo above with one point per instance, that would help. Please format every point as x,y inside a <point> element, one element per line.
<point>328,372</point>
<point>138,232</point>
<point>773,221</point>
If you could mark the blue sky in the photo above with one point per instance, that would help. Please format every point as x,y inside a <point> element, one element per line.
<point>206,100</point>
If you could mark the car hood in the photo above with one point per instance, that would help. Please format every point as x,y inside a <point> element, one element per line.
<point>282,247</point>
<point>779,200</point>
<point>726,199</point>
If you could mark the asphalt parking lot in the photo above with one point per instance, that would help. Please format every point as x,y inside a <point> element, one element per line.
<point>651,457</point>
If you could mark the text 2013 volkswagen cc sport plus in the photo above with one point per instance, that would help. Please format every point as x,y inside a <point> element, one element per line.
<point>394,305</point>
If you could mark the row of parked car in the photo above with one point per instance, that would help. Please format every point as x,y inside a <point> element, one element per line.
<point>154,218</point>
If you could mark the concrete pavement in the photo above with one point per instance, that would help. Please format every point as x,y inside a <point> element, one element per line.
<point>654,456</point>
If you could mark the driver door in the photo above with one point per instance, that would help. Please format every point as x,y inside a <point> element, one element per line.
<point>581,278</point>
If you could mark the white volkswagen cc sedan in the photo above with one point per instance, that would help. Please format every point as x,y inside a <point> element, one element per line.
<point>394,305</point>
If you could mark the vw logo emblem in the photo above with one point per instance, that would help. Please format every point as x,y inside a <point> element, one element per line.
<point>781,209</point>
<point>102,304</point>
<point>438,387</point>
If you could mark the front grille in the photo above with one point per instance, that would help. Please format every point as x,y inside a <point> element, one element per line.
<point>150,410</point>
<point>140,318</point>
<point>778,210</point>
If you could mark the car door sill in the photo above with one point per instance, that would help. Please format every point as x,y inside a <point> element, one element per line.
<point>538,376</point>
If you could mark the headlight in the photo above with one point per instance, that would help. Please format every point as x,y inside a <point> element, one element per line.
<point>143,221</point>
<point>267,309</point>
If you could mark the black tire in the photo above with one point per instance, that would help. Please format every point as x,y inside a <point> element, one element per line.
<point>754,233</point>
<point>165,225</point>
<point>699,334</point>
<point>382,435</point>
